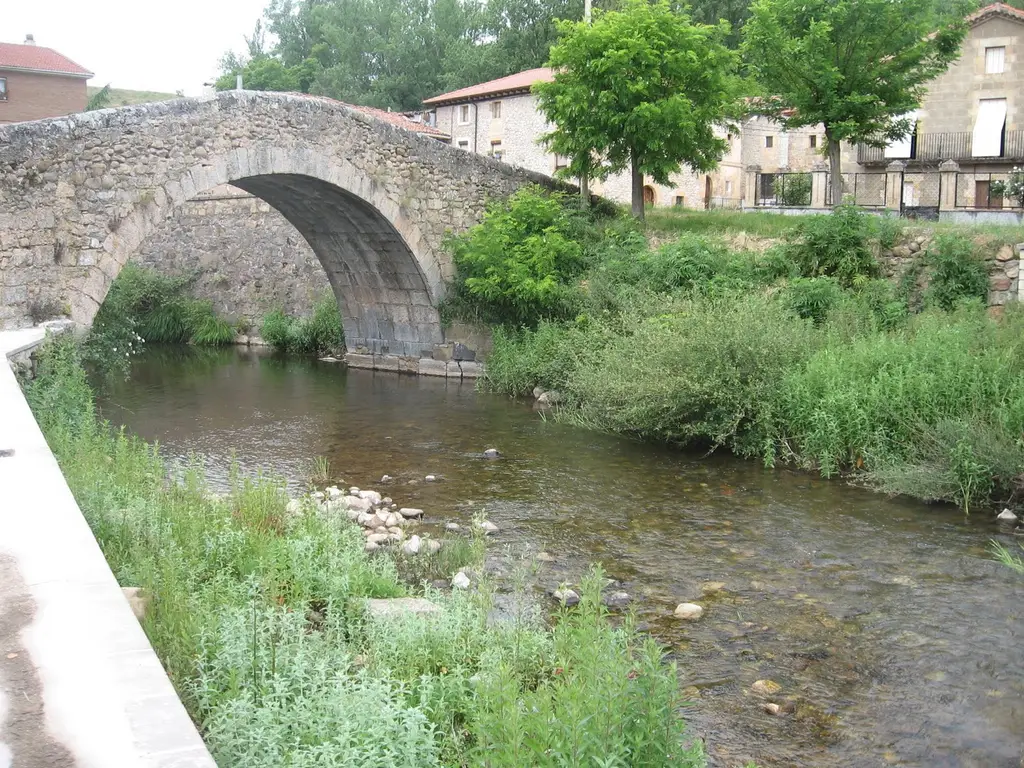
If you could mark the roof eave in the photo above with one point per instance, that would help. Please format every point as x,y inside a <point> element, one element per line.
<point>441,101</point>
<point>32,71</point>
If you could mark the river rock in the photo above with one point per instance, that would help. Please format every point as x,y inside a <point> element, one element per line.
<point>396,530</point>
<point>386,478</point>
<point>334,493</point>
<point>371,546</point>
<point>566,597</point>
<point>488,527</point>
<point>430,478</point>
<point>432,546</point>
<point>765,687</point>
<point>353,515</point>
<point>353,491</point>
<point>371,496</point>
<point>689,611</point>
<point>771,708</point>
<point>410,512</point>
<point>711,587</point>
<point>453,527</point>
<point>412,546</point>
<point>393,520</point>
<point>492,453</point>
<point>545,557</point>
<point>377,538</point>
<point>618,599</point>
<point>293,507</point>
<point>317,496</point>
<point>387,501</point>
<point>551,397</point>
<point>461,581</point>
<point>1006,516</point>
<point>537,392</point>
<point>360,504</point>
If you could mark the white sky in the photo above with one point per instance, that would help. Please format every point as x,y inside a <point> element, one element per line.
<point>148,45</point>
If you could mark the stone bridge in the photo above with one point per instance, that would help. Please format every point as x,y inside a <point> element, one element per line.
<point>79,194</point>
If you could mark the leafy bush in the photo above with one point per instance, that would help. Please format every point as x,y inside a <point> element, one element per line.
<point>956,272</point>
<point>836,246</point>
<point>516,266</point>
<point>792,189</point>
<point>813,298</point>
<point>547,357</point>
<point>318,334</point>
<point>1012,187</point>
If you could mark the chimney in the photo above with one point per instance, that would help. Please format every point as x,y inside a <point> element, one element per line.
<point>30,40</point>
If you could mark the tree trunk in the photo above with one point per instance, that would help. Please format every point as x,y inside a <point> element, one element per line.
<point>638,187</point>
<point>584,191</point>
<point>835,163</point>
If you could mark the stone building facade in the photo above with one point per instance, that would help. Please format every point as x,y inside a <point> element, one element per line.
<point>38,82</point>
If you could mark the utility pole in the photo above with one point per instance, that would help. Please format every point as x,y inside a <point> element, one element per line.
<point>585,176</point>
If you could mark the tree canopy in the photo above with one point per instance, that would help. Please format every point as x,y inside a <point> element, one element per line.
<point>855,66</point>
<point>641,88</point>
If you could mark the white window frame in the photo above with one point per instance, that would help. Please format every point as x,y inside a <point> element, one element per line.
<point>987,138</point>
<point>496,107</point>
<point>462,107</point>
<point>3,89</point>
<point>995,59</point>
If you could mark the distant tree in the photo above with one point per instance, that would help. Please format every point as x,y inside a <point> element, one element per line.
<point>640,88</point>
<point>100,99</point>
<point>855,66</point>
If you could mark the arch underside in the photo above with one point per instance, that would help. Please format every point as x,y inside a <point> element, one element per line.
<point>386,306</point>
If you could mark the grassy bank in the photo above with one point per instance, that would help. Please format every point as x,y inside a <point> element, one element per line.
<point>799,354</point>
<point>320,333</point>
<point>257,615</point>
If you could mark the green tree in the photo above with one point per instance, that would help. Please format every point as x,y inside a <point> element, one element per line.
<point>855,66</point>
<point>100,99</point>
<point>642,87</point>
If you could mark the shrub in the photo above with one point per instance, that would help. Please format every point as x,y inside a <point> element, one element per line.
<point>516,266</point>
<point>1012,187</point>
<point>956,272</point>
<point>318,334</point>
<point>836,246</point>
<point>792,189</point>
<point>524,359</point>
<point>812,298</point>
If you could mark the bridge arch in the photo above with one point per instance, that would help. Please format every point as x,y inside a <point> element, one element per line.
<point>78,196</point>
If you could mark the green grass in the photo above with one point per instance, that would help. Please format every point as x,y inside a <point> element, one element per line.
<point>670,221</point>
<point>320,333</point>
<point>257,616</point>
<point>120,97</point>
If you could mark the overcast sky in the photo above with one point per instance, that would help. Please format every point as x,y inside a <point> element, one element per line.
<point>140,44</point>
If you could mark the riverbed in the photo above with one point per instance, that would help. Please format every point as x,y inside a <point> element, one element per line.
<point>895,638</point>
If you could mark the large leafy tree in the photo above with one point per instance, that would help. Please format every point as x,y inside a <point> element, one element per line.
<point>642,88</point>
<point>855,66</point>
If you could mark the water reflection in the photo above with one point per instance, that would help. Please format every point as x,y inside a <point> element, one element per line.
<point>892,633</point>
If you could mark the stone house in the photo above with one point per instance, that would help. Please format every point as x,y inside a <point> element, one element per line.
<point>971,123</point>
<point>500,118</point>
<point>38,82</point>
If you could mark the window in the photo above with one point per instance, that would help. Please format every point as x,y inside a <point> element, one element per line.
<point>496,149</point>
<point>728,189</point>
<point>766,183</point>
<point>464,114</point>
<point>3,89</point>
<point>814,142</point>
<point>903,149</point>
<point>987,140</point>
<point>679,201</point>
<point>994,60</point>
<point>463,143</point>
<point>561,162</point>
<point>769,142</point>
<point>495,110</point>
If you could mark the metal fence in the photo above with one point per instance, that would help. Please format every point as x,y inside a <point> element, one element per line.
<point>980,190</point>
<point>920,194</point>
<point>784,190</point>
<point>868,190</point>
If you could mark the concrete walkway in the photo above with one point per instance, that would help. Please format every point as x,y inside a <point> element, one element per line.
<point>80,684</point>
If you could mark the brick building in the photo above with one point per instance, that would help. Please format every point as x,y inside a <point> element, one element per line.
<point>38,82</point>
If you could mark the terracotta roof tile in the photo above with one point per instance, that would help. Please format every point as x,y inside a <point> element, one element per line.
<point>519,82</point>
<point>40,59</point>
<point>1001,9</point>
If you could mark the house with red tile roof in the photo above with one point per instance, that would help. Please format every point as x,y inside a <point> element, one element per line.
<point>38,82</point>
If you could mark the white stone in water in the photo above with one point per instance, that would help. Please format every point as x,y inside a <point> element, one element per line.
<point>387,501</point>
<point>550,397</point>
<point>689,611</point>
<point>293,507</point>
<point>488,527</point>
<point>386,478</point>
<point>363,517</point>
<point>566,596</point>
<point>537,392</point>
<point>353,491</point>
<point>333,492</point>
<point>492,453</point>
<point>393,520</point>
<point>354,502</point>
<point>353,515</point>
<point>412,546</point>
<point>371,496</point>
<point>433,546</point>
<point>452,527</point>
<point>409,512</point>
<point>318,495</point>
<point>460,581</point>
<point>1006,516</point>
<point>430,478</point>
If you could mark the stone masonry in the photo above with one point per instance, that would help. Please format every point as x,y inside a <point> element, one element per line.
<point>79,195</point>
<point>243,255</point>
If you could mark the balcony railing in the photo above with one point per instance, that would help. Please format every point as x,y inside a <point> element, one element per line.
<point>936,147</point>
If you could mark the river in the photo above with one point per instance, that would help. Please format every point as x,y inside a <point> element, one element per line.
<point>895,638</point>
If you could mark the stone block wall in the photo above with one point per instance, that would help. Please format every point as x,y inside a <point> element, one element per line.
<point>245,256</point>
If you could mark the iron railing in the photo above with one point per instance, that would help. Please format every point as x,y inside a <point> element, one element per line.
<point>936,147</point>
<point>784,190</point>
<point>868,190</point>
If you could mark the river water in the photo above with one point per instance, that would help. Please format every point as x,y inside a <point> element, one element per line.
<point>895,638</point>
